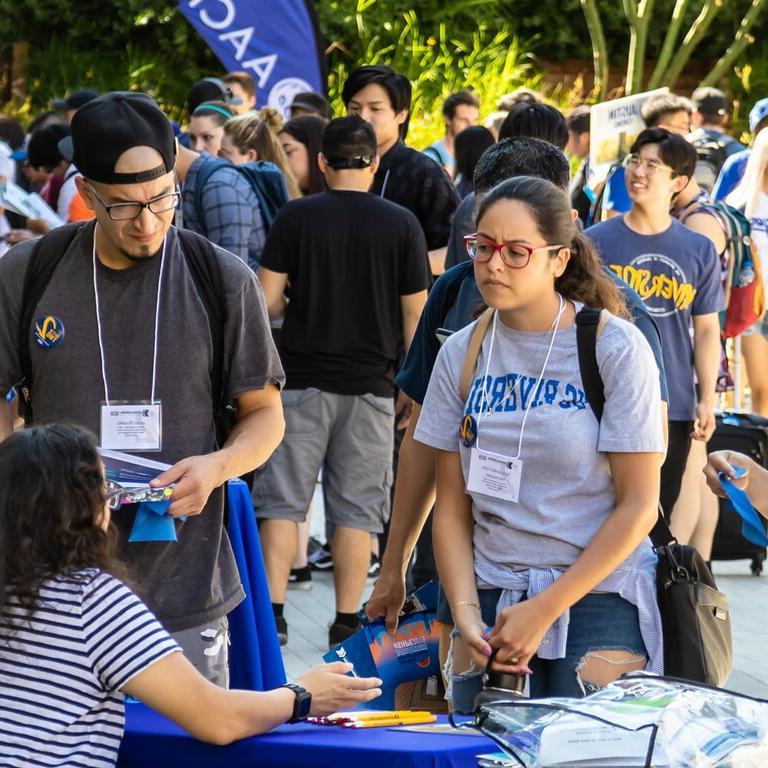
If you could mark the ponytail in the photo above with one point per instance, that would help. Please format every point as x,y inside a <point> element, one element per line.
<point>586,281</point>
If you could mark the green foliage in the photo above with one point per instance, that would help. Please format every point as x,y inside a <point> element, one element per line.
<point>123,44</point>
<point>453,54</point>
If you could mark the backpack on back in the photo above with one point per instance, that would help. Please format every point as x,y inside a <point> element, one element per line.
<point>203,263</point>
<point>711,153</point>
<point>744,289</point>
<point>265,179</point>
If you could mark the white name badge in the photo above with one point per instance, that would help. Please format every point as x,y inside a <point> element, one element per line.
<point>131,426</point>
<point>494,475</point>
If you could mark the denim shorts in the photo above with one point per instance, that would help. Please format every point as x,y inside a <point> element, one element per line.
<point>761,327</point>
<point>599,621</point>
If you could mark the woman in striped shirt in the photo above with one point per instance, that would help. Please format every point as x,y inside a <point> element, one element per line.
<point>74,638</point>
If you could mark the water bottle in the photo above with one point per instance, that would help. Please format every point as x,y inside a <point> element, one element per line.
<point>499,686</point>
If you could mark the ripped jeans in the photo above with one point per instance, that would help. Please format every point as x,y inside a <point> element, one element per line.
<point>598,622</point>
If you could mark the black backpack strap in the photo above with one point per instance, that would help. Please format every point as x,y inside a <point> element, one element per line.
<point>587,321</point>
<point>204,265</point>
<point>45,257</point>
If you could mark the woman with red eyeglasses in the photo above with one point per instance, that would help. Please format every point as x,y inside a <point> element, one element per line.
<point>542,516</point>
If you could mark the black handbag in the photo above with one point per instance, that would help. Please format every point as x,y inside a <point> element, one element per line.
<point>695,618</point>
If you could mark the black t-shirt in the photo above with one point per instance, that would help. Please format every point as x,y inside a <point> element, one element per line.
<point>415,181</point>
<point>349,257</point>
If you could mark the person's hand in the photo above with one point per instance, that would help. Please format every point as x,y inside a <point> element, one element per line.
<point>19,236</point>
<point>469,623</point>
<point>332,689</point>
<point>387,598</point>
<point>403,410</point>
<point>194,479</point>
<point>517,635</point>
<point>726,461</point>
<point>38,225</point>
<point>704,425</point>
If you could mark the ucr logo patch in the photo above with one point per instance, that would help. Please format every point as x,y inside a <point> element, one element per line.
<point>49,331</point>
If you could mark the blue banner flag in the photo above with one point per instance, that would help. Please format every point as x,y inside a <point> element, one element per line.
<point>274,41</point>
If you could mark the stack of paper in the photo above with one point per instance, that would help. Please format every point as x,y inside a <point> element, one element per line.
<point>28,204</point>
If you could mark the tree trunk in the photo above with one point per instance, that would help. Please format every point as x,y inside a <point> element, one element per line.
<point>670,40</point>
<point>639,16</point>
<point>599,47</point>
<point>698,29</point>
<point>741,40</point>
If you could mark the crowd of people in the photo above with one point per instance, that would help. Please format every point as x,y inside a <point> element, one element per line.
<point>314,299</point>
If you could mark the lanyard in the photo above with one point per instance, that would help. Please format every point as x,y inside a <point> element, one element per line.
<point>98,323</point>
<point>554,325</point>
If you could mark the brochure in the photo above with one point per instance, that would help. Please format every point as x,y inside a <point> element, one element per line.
<point>410,654</point>
<point>28,204</point>
<point>134,473</point>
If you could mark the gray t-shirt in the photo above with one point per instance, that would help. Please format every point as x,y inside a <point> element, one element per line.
<point>195,580</point>
<point>566,492</point>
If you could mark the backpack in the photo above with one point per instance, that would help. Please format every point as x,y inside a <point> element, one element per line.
<point>711,152</point>
<point>744,290</point>
<point>203,263</point>
<point>265,179</point>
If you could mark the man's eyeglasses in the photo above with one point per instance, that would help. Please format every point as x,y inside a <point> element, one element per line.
<point>116,495</point>
<point>651,166</point>
<point>132,210</point>
<point>515,255</point>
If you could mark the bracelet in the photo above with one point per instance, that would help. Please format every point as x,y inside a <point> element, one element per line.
<point>466,602</point>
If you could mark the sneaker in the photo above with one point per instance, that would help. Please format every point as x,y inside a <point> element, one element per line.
<point>375,567</point>
<point>322,560</point>
<point>314,545</point>
<point>282,629</point>
<point>338,633</point>
<point>300,578</point>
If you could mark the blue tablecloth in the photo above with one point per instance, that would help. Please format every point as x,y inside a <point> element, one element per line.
<point>151,741</point>
<point>255,662</point>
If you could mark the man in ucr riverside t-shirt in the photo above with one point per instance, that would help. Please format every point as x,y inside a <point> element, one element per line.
<point>677,274</point>
<point>132,329</point>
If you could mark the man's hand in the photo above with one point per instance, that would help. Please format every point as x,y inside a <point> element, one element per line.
<point>403,410</point>
<point>387,599</point>
<point>194,479</point>
<point>704,426</point>
<point>726,461</point>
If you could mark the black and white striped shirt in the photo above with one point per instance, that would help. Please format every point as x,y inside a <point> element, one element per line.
<point>62,669</point>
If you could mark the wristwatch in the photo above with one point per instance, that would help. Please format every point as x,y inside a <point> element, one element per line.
<point>302,704</point>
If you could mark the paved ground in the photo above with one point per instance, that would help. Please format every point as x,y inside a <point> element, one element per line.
<point>309,613</point>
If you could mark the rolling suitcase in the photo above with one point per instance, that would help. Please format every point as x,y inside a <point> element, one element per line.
<point>746,433</point>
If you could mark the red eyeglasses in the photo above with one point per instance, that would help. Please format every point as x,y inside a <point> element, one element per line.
<point>515,255</point>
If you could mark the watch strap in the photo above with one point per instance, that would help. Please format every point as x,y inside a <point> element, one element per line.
<point>302,703</point>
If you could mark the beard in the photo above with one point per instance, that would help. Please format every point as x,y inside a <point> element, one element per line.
<point>144,254</point>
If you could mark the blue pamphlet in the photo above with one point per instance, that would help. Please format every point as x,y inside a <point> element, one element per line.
<point>752,528</point>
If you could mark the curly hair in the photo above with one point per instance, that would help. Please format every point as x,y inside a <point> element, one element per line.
<point>584,279</point>
<point>51,509</point>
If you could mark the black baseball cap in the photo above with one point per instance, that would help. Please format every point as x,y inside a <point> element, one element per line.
<point>111,124</point>
<point>314,103</point>
<point>210,89</point>
<point>75,100</point>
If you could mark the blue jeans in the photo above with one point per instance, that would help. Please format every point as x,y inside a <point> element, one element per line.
<point>602,621</point>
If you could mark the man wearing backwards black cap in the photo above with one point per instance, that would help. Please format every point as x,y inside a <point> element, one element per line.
<point>132,329</point>
<point>358,274</point>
